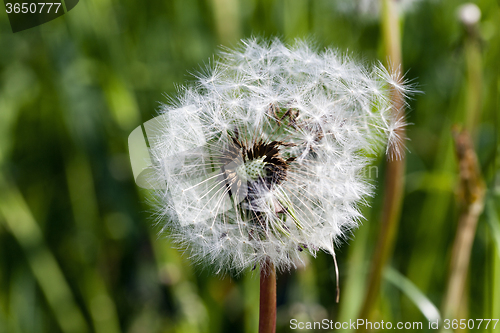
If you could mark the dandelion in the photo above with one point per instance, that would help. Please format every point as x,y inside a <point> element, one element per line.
<point>262,158</point>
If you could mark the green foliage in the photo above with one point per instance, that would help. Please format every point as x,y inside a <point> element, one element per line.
<point>79,251</point>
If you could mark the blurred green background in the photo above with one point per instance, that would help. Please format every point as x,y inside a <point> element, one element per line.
<point>79,251</point>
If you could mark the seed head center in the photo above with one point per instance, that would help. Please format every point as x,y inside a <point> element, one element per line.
<point>252,170</point>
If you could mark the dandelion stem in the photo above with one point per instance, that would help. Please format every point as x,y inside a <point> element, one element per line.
<point>394,181</point>
<point>471,187</point>
<point>474,83</point>
<point>267,310</point>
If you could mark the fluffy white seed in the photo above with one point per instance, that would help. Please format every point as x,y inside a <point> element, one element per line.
<point>318,114</point>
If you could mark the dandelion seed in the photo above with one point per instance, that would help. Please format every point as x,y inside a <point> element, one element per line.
<point>262,159</point>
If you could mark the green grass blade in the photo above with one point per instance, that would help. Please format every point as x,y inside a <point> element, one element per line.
<point>42,262</point>
<point>428,309</point>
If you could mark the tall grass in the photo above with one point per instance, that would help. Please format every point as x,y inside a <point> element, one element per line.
<point>78,250</point>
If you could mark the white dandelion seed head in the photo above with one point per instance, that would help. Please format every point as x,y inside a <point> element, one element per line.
<point>469,14</point>
<point>262,158</point>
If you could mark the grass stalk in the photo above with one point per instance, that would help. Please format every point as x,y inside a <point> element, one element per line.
<point>472,189</point>
<point>227,20</point>
<point>46,270</point>
<point>395,168</point>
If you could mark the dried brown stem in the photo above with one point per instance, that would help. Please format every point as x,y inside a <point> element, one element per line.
<point>471,196</point>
